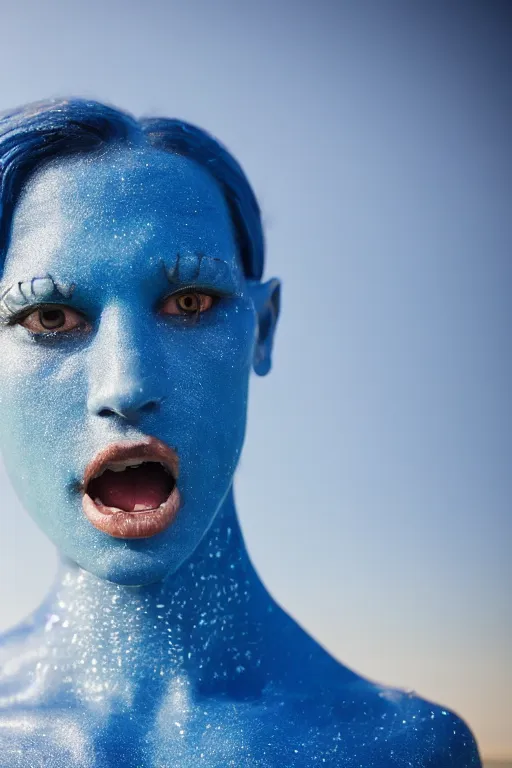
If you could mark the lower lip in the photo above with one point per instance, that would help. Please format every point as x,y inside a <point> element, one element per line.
<point>131,525</point>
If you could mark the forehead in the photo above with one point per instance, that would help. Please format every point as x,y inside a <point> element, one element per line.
<point>121,205</point>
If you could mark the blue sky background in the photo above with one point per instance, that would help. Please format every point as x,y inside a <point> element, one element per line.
<point>375,486</point>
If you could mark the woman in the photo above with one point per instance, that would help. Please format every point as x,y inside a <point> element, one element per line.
<point>132,314</point>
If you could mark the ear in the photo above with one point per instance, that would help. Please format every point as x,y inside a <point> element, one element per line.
<point>266,298</point>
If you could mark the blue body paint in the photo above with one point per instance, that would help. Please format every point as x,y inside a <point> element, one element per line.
<point>165,650</point>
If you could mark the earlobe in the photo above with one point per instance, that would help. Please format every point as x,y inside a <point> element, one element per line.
<point>262,361</point>
<point>267,300</point>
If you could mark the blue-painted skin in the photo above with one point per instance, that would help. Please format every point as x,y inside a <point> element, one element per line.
<point>165,651</point>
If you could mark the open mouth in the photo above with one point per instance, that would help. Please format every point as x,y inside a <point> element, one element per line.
<point>130,490</point>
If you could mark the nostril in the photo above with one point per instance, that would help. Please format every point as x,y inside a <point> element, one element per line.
<point>106,412</point>
<point>129,411</point>
<point>150,406</point>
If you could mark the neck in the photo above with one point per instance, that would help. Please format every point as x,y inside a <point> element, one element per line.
<point>202,626</point>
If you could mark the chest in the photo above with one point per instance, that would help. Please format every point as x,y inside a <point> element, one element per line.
<point>212,734</point>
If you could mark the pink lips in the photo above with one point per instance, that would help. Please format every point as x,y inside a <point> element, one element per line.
<point>138,524</point>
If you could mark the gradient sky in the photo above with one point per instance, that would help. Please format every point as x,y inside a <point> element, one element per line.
<point>375,486</point>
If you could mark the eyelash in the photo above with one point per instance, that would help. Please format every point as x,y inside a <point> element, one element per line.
<point>191,317</point>
<point>18,317</point>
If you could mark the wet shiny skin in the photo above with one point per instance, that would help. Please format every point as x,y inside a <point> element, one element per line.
<point>165,651</point>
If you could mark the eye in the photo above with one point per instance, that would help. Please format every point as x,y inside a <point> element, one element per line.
<point>51,319</point>
<point>188,304</point>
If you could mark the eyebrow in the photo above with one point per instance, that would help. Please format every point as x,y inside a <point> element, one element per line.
<point>199,268</point>
<point>23,293</point>
<point>188,268</point>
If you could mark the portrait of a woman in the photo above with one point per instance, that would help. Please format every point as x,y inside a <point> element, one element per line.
<point>133,314</point>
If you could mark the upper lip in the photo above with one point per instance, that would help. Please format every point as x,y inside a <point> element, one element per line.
<point>149,449</point>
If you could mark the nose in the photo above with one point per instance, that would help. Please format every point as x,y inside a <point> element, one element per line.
<point>127,401</point>
<point>117,384</point>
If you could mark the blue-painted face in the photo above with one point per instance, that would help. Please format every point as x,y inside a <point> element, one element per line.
<point>126,315</point>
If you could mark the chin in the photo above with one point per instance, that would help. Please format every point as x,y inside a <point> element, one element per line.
<point>129,567</point>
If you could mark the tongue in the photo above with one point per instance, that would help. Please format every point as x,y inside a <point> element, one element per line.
<point>145,487</point>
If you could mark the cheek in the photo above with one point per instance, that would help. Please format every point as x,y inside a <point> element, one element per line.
<point>208,399</point>
<point>41,404</point>
<point>39,387</point>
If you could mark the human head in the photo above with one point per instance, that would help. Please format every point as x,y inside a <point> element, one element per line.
<point>107,217</point>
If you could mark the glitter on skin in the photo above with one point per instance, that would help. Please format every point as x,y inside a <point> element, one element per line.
<point>166,651</point>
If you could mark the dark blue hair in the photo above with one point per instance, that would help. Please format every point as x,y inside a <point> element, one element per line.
<point>37,132</point>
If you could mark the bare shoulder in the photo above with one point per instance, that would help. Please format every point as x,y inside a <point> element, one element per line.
<point>436,737</point>
<point>343,719</point>
<point>32,733</point>
<point>346,720</point>
<point>22,666</point>
<point>391,728</point>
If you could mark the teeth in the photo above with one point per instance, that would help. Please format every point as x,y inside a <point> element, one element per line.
<point>120,466</point>
<point>137,507</point>
<point>99,503</point>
